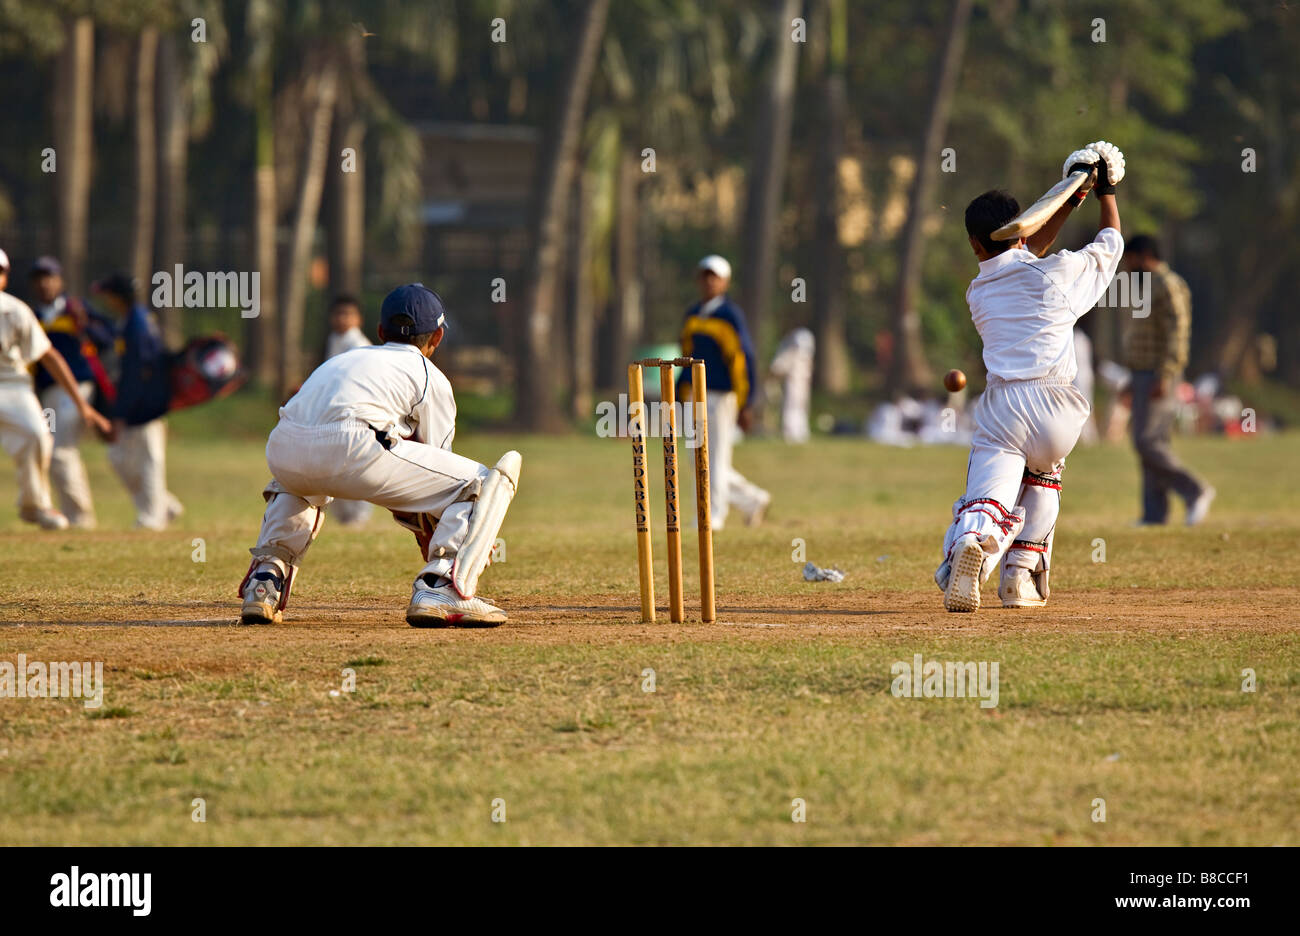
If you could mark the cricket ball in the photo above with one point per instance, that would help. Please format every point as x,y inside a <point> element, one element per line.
<point>954,380</point>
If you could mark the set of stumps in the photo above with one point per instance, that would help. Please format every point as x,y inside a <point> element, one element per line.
<point>668,430</point>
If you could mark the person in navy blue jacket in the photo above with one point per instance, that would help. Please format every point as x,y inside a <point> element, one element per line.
<point>139,442</point>
<point>715,332</point>
<point>80,335</point>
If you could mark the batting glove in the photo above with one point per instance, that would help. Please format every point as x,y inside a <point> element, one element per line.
<point>1110,168</point>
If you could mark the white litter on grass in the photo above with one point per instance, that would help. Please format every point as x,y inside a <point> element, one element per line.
<point>813,574</point>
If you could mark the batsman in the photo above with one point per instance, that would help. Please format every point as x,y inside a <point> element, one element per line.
<point>376,424</point>
<point>1024,305</point>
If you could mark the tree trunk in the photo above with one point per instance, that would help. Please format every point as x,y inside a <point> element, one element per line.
<point>537,404</point>
<point>909,371</point>
<point>260,332</point>
<point>832,371</point>
<point>348,211</point>
<point>581,308</point>
<point>73,96</point>
<point>146,157</point>
<point>625,324</point>
<point>173,154</point>
<point>767,172</point>
<point>311,183</point>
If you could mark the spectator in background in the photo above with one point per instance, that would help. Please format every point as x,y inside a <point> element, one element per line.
<point>24,433</point>
<point>1156,348</point>
<point>793,364</point>
<point>715,332</point>
<point>345,326</point>
<point>345,334</point>
<point>79,335</point>
<point>139,441</point>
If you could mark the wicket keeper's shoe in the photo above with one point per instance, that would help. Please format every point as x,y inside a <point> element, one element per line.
<point>967,562</point>
<point>441,606</point>
<point>262,598</point>
<point>44,517</point>
<point>1018,589</point>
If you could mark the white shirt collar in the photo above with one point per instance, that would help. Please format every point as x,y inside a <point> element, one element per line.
<point>1006,258</point>
<point>711,306</point>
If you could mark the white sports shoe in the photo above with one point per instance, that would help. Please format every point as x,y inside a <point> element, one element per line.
<point>1019,590</point>
<point>45,518</point>
<point>968,555</point>
<point>262,599</point>
<point>1198,508</point>
<point>760,511</point>
<point>443,607</point>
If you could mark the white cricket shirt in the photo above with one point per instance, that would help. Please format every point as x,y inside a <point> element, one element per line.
<point>1025,307</point>
<point>22,340</point>
<point>392,387</point>
<point>336,344</point>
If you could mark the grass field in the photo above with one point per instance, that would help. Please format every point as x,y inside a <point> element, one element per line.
<point>1128,687</point>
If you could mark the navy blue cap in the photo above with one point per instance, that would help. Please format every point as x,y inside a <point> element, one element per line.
<point>118,284</point>
<point>419,303</point>
<point>46,266</point>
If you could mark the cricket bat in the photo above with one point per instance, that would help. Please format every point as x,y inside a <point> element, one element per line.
<point>1036,215</point>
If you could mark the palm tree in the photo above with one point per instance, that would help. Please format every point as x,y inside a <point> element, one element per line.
<point>909,370</point>
<point>832,370</point>
<point>73,97</point>
<point>260,26</point>
<point>311,184</point>
<point>184,97</point>
<point>537,404</point>
<point>346,192</point>
<point>771,145</point>
<point>146,154</point>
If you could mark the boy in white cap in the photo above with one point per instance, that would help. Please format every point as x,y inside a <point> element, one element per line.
<point>376,424</point>
<point>24,433</point>
<point>715,332</point>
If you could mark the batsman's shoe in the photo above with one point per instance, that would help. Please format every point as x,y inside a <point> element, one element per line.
<point>1018,589</point>
<point>45,518</point>
<point>262,599</point>
<point>966,564</point>
<point>442,606</point>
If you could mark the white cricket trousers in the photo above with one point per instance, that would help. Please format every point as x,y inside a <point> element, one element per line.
<point>67,470</point>
<point>25,435</point>
<point>312,465</point>
<point>139,456</point>
<point>1024,429</point>
<point>727,487</point>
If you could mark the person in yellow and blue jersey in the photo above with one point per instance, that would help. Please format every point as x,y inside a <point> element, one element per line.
<point>714,331</point>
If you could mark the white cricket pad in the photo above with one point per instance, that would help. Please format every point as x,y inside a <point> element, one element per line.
<point>485,522</point>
